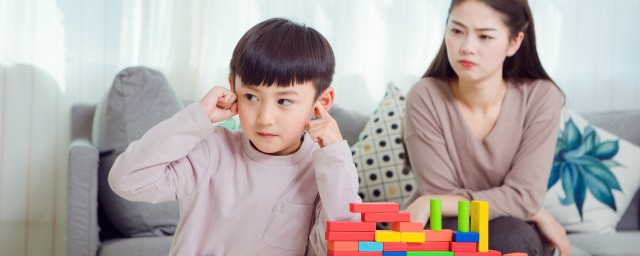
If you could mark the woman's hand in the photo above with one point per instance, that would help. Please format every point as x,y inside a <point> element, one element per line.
<point>419,210</point>
<point>553,231</point>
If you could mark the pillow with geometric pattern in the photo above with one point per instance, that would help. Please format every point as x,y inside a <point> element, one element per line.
<point>594,176</point>
<point>379,153</point>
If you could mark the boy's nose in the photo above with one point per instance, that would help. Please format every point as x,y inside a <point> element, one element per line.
<point>265,116</point>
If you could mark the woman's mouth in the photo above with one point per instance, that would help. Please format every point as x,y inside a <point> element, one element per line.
<point>467,63</point>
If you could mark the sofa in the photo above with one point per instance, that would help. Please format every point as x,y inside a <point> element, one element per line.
<point>90,233</point>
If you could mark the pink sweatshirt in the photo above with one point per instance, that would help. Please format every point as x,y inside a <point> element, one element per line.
<point>235,200</point>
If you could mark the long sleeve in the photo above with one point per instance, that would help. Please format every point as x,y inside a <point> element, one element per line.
<point>509,169</point>
<point>522,193</point>
<point>168,161</point>
<point>337,181</point>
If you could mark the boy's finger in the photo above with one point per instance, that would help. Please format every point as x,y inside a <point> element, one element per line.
<point>323,112</point>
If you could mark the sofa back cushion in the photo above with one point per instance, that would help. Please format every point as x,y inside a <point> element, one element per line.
<point>138,99</point>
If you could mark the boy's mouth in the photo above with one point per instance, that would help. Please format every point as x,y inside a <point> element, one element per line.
<point>267,135</point>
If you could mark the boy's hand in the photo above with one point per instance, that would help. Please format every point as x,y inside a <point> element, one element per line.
<point>220,104</point>
<point>325,130</point>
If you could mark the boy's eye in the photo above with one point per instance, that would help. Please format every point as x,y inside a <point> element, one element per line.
<point>284,102</point>
<point>251,97</point>
<point>485,37</point>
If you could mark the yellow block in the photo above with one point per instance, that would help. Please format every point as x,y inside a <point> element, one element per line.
<point>387,236</point>
<point>480,223</point>
<point>412,237</point>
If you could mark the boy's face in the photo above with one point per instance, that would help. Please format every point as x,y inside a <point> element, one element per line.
<point>274,117</point>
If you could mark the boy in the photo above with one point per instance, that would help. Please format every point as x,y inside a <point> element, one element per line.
<point>266,190</point>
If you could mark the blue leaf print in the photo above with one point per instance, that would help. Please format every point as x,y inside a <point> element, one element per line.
<point>582,162</point>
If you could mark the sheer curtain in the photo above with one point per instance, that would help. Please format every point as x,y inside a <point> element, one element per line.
<point>54,53</point>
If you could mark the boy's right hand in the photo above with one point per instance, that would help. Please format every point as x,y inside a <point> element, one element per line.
<point>220,104</point>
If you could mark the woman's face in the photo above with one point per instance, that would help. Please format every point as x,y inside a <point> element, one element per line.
<point>478,41</point>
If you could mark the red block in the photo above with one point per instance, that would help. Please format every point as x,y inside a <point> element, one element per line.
<point>489,253</point>
<point>428,246</point>
<point>407,226</point>
<point>386,217</point>
<point>374,207</point>
<point>394,247</point>
<point>349,236</point>
<point>350,226</point>
<point>332,253</point>
<point>463,247</point>
<point>438,236</point>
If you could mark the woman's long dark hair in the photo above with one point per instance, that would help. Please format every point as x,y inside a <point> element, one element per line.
<point>524,64</point>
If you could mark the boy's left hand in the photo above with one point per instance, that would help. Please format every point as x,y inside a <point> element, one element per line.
<point>324,131</point>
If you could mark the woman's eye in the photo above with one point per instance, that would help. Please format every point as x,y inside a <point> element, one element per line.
<point>456,31</point>
<point>284,102</point>
<point>250,97</point>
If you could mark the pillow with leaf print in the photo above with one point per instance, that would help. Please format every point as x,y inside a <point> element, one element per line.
<point>594,176</point>
<point>379,153</point>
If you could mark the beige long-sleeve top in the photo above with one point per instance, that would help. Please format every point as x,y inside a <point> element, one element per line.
<point>233,199</point>
<point>509,168</point>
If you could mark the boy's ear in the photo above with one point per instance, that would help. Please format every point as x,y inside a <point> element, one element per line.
<point>231,87</point>
<point>326,99</point>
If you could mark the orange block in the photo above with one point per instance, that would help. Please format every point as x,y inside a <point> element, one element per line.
<point>394,247</point>
<point>487,253</point>
<point>332,253</point>
<point>342,246</point>
<point>407,226</point>
<point>350,226</point>
<point>385,217</point>
<point>374,207</point>
<point>444,235</point>
<point>349,236</point>
<point>463,247</point>
<point>428,246</point>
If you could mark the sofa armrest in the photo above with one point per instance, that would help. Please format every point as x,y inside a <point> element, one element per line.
<point>82,190</point>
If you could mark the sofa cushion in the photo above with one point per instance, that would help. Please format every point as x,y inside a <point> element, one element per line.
<point>621,243</point>
<point>595,175</point>
<point>350,123</point>
<point>379,153</point>
<point>138,99</point>
<point>139,246</point>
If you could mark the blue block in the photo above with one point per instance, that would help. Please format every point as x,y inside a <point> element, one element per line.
<point>394,253</point>
<point>472,237</point>
<point>369,246</point>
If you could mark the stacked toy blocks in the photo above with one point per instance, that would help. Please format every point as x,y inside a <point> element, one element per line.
<point>408,238</point>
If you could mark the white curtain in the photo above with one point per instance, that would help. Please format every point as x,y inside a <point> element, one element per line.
<point>54,53</point>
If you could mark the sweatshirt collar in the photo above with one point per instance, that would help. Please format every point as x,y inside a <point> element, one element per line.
<point>291,159</point>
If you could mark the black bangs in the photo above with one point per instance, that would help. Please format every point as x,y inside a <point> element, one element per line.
<point>281,52</point>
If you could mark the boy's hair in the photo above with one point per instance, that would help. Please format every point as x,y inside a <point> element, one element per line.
<point>281,52</point>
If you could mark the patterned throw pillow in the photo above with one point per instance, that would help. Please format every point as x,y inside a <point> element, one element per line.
<point>379,153</point>
<point>593,178</point>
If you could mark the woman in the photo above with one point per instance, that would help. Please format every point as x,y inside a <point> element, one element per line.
<point>482,125</point>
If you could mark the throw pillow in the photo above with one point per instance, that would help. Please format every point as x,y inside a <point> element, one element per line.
<point>379,153</point>
<point>594,176</point>
<point>138,99</point>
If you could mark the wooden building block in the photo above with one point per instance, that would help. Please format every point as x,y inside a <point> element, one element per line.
<point>394,247</point>
<point>387,207</point>
<point>463,216</point>
<point>480,223</point>
<point>412,237</point>
<point>349,236</point>
<point>407,226</point>
<point>332,253</point>
<point>463,247</point>
<point>387,236</point>
<point>465,237</point>
<point>430,254</point>
<point>435,217</point>
<point>342,246</point>
<point>444,235</point>
<point>428,246</point>
<point>394,253</point>
<point>369,246</point>
<point>386,217</point>
<point>350,226</point>
<point>487,253</point>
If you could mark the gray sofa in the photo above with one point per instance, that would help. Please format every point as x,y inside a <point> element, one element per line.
<point>92,234</point>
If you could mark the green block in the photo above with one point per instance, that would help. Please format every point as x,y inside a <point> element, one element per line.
<point>435,218</point>
<point>463,216</point>
<point>429,253</point>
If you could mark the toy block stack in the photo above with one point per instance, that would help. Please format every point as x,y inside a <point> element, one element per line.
<point>408,238</point>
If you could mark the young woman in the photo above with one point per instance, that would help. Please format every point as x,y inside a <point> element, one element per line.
<point>482,125</point>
